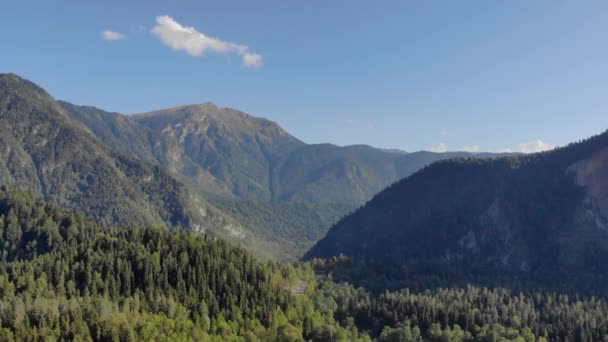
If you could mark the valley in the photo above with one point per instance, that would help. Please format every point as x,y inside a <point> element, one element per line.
<point>239,177</point>
<point>171,184</point>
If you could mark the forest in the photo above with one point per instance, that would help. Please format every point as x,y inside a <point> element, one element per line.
<point>64,277</point>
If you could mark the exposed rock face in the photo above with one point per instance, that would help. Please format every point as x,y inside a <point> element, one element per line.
<point>592,174</point>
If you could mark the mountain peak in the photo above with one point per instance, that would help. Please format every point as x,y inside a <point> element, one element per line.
<point>13,83</point>
<point>198,118</point>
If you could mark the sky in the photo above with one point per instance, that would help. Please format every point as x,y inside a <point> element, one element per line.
<point>413,75</point>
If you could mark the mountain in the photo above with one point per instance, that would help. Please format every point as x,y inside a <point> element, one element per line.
<point>284,193</point>
<point>539,218</point>
<point>254,159</point>
<point>44,151</point>
<point>237,149</point>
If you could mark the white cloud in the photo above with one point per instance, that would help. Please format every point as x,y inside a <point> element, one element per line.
<point>471,148</point>
<point>535,146</point>
<point>529,147</point>
<point>252,60</point>
<point>112,35</point>
<point>442,147</point>
<point>444,133</point>
<point>195,43</point>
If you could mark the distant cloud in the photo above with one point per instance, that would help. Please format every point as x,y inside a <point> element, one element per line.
<point>112,35</point>
<point>444,133</point>
<point>252,60</point>
<point>471,148</point>
<point>442,147</point>
<point>535,146</point>
<point>529,147</point>
<point>195,43</point>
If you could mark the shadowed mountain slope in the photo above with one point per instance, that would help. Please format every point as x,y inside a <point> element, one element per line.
<point>539,217</point>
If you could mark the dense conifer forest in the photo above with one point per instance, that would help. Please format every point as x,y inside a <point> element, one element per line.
<point>64,277</point>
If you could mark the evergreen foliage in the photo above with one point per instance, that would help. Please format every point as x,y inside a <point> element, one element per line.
<point>63,277</point>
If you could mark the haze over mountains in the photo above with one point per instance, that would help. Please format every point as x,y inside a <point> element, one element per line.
<point>197,166</point>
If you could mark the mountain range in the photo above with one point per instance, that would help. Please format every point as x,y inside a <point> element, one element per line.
<point>200,167</point>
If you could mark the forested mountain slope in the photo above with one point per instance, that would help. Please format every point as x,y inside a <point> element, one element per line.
<point>42,150</point>
<point>63,277</point>
<point>540,218</point>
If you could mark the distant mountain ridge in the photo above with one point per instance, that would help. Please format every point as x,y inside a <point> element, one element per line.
<point>241,162</point>
<point>539,217</point>
<point>285,193</point>
<point>255,159</point>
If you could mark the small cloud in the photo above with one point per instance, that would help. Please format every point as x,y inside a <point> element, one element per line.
<point>471,148</point>
<point>112,35</point>
<point>442,147</point>
<point>444,133</point>
<point>535,146</point>
<point>252,60</point>
<point>195,43</point>
<point>504,150</point>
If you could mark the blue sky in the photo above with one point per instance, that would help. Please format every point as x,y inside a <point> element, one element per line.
<point>475,75</point>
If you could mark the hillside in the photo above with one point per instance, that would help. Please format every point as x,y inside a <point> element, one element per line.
<point>237,149</point>
<point>64,277</point>
<point>88,282</point>
<point>44,151</point>
<point>538,218</point>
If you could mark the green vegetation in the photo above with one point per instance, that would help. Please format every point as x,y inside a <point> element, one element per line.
<point>529,223</point>
<point>286,194</point>
<point>64,277</point>
<point>533,221</point>
<point>162,169</point>
<point>44,152</point>
<point>288,229</point>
